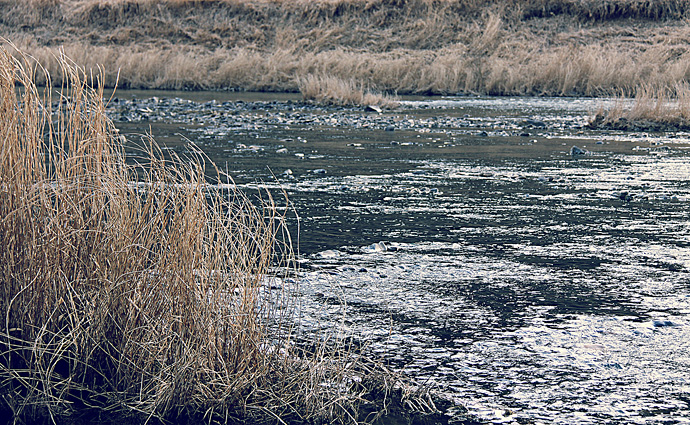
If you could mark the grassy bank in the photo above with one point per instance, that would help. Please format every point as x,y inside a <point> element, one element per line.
<point>517,47</point>
<point>132,290</point>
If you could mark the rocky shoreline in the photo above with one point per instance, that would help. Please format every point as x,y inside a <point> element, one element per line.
<point>255,115</point>
<point>623,124</point>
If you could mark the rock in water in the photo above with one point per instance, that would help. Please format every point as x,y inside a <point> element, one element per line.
<point>576,151</point>
<point>625,196</point>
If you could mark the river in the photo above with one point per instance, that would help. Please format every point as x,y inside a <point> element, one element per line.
<point>466,244</point>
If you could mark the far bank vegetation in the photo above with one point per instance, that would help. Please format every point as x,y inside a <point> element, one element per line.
<point>497,47</point>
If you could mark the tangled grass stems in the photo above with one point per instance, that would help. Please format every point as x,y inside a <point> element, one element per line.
<point>130,286</point>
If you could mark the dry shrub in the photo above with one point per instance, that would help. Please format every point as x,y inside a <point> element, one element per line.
<point>130,286</point>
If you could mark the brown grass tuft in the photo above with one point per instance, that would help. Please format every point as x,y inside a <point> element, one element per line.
<point>335,91</point>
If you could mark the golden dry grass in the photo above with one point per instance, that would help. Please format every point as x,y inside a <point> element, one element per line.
<point>503,47</point>
<point>131,287</point>
<point>335,91</point>
<point>653,108</point>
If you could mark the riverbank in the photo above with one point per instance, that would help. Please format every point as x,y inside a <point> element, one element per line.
<point>501,47</point>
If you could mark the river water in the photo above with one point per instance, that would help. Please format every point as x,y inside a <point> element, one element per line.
<point>465,244</point>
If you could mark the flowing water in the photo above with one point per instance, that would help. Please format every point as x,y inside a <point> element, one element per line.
<point>465,243</point>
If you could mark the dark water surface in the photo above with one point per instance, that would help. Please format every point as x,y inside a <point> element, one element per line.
<point>469,247</point>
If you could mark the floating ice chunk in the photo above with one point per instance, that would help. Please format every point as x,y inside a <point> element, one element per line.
<point>376,247</point>
<point>329,253</point>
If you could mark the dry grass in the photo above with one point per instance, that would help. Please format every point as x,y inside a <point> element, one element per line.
<point>653,108</point>
<point>131,287</point>
<point>503,47</point>
<point>333,90</point>
<point>564,71</point>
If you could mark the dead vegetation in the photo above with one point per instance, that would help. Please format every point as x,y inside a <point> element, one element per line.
<point>501,47</point>
<point>652,109</point>
<point>334,91</point>
<point>133,288</point>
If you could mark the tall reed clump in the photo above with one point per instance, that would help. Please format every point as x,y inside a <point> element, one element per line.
<point>336,91</point>
<point>653,108</point>
<point>132,288</point>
